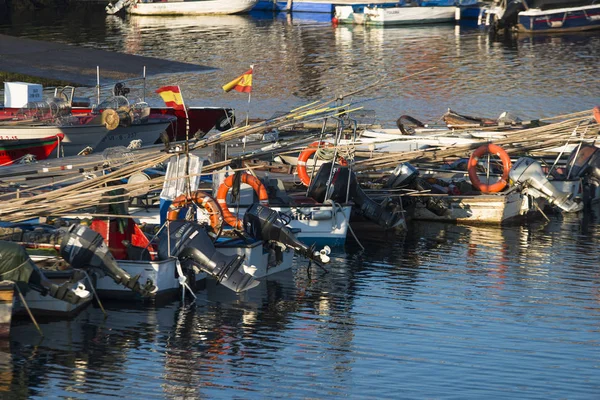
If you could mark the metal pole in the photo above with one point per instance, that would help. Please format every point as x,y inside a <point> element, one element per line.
<point>98,84</point>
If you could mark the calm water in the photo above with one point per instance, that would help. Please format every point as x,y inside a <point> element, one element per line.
<point>443,312</point>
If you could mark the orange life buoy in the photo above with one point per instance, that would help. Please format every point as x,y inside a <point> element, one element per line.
<point>472,168</point>
<point>248,179</point>
<point>305,155</point>
<point>597,114</point>
<point>201,199</point>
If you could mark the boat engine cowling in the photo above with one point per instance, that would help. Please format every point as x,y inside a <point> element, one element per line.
<point>528,173</point>
<point>190,242</point>
<point>83,247</point>
<point>264,223</point>
<point>344,186</point>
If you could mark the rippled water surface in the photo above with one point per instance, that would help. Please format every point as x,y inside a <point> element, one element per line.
<point>448,312</point>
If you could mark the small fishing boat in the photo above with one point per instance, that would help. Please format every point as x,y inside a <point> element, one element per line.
<point>397,13</point>
<point>13,151</point>
<point>541,16</point>
<point>115,122</point>
<point>181,7</point>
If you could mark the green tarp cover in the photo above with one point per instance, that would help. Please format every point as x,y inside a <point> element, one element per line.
<point>15,264</point>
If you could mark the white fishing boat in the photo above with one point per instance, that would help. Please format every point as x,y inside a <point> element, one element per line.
<point>397,13</point>
<point>182,7</point>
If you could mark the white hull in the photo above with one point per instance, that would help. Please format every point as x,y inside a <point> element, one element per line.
<point>162,273</point>
<point>395,15</point>
<point>479,209</point>
<point>320,224</point>
<point>198,7</point>
<point>262,258</point>
<point>148,133</point>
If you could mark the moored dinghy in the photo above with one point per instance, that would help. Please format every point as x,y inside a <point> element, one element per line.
<point>181,7</point>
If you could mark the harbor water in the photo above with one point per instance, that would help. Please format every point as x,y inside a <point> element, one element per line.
<point>441,312</point>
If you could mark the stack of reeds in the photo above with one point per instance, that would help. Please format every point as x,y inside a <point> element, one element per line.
<point>570,129</point>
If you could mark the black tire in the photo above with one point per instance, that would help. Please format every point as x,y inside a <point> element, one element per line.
<point>225,122</point>
<point>407,124</point>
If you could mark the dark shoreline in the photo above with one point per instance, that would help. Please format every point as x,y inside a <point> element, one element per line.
<point>57,62</point>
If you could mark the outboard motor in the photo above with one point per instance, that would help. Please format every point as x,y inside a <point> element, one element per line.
<point>263,223</point>
<point>528,172</point>
<point>510,17</point>
<point>83,247</point>
<point>406,175</point>
<point>191,243</point>
<point>344,185</point>
<point>28,276</point>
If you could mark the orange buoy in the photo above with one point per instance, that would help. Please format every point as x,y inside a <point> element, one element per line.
<point>200,199</point>
<point>596,111</point>
<point>489,148</point>
<point>246,178</point>
<point>305,155</point>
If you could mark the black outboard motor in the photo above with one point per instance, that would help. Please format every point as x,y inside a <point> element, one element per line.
<point>510,17</point>
<point>263,223</point>
<point>344,185</point>
<point>191,243</point>
<point>405,175</point>
<point>83,247</point>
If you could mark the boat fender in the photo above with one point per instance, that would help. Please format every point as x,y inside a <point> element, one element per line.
<point>305,155</point>
<point>248,179</point>
<point>489,148</point>
<point>200,199</point>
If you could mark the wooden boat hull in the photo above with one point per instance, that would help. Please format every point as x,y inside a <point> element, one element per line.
<point>13,150</point>
<point>200,7</point>
<point>482,209</point>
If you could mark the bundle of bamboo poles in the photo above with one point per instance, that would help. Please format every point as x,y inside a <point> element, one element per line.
<point>76,195</point>
<point>573,128</point>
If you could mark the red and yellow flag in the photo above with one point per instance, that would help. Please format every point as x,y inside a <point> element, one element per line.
<point>172,96</point>
<point>242,83</point>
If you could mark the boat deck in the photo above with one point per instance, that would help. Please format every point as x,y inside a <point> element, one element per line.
<point>77,65</point>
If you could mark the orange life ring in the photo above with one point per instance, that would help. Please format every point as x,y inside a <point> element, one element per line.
<point>596,112</point>
<point>201,199</point>
<point>472,168</point>
<point>246,178</point>
<point>305,155</point>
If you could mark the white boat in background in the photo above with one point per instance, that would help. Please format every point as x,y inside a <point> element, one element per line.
<point>398,13</point>
<point>541,16</point>
<point>181,7</point>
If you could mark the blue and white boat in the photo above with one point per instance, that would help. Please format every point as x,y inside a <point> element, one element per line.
<point>537,16</point>
<point>405,12</point>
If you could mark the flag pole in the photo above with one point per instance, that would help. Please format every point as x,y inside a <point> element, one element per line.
<point>250,97</point>
<point>187,118</point>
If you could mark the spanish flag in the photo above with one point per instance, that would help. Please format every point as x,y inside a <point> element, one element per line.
<point>172,96</point>
<point>242,83</point>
